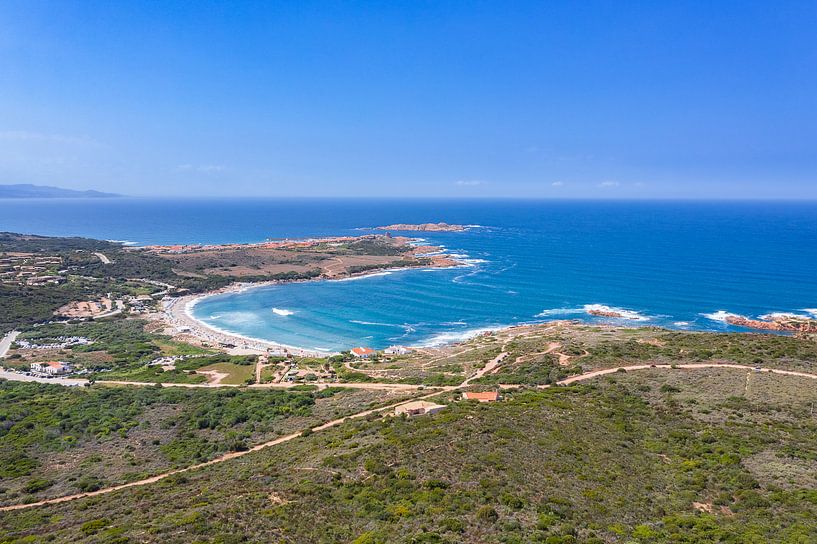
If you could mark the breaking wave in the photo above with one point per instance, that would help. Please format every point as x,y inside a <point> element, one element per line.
<point>631,315</point>
<point>720,315</point>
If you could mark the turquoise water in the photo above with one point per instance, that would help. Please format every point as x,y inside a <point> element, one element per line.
<point>670,264</point>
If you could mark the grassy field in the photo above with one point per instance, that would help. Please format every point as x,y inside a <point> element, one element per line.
<point>644,457</point>
<point>236,374</point>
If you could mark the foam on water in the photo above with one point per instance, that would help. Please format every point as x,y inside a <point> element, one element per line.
<point>587,308</point>
<point>543,259</point>
<point>457,336</point>
<point>364,276</point>
<point>778,315</point>
<point>282,312</point>
<point>720,315</point>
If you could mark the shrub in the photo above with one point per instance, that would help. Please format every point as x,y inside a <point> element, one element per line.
<point>487,514</point>
<point>93,526</point>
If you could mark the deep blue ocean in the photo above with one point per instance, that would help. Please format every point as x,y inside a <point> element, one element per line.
<point>672,264</point>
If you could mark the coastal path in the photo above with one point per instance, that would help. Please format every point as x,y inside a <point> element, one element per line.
<point>487,369</point>
<point>335,422</point>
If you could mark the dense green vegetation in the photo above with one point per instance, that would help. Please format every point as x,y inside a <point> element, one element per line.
<point>650,457</point>
<point>58,440</point>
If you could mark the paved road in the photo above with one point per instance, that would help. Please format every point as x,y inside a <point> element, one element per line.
<point>6,342</point>
<point>335,422</point>
<point>17,377</point>
<point>103,258</point>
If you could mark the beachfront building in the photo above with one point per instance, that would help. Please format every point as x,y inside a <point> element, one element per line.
<point>418,408</point>
<point>51,368</point>
<point>396,350</point>
<point>362,353</point>
<point>484,396</point>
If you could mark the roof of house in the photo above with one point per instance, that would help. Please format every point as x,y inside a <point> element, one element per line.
<point>481,396</point>
<point>55,364</point>
<point>362,351</point>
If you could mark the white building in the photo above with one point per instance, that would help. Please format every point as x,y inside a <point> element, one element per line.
<point>51,368</point>
<point>396,350</point>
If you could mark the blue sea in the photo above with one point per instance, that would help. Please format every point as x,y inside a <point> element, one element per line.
<point>680,265</point>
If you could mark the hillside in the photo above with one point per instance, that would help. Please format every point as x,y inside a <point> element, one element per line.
<point>26,190</point>
<point>714,455</point>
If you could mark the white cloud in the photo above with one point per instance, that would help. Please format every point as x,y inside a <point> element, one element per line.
<point>607,184</point>
<point>558,184</point>
<point>469,182</point>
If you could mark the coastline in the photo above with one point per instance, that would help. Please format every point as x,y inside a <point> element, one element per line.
<point>177,312</point>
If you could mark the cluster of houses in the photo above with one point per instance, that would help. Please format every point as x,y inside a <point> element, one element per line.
<point>31,270</point>
<point>142,304</point>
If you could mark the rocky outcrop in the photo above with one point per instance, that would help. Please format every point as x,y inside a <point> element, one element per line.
<point>782,323</point>
<point>606,313</point>
<point>425,227</point>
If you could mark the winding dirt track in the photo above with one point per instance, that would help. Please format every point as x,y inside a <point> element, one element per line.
<point>335,422</point>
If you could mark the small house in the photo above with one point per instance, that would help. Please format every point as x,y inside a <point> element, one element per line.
<point>362,353</point>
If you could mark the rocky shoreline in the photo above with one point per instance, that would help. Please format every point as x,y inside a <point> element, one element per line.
<point>775,323</point>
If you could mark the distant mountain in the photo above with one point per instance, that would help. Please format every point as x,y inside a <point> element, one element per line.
<point>25,190</point>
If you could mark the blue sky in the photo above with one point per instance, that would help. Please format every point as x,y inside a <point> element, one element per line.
<point>460,99</point>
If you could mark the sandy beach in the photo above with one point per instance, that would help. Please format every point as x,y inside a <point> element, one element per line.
<point>177,314</point>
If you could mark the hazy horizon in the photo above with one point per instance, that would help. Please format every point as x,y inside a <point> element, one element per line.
<point>595,100</point>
